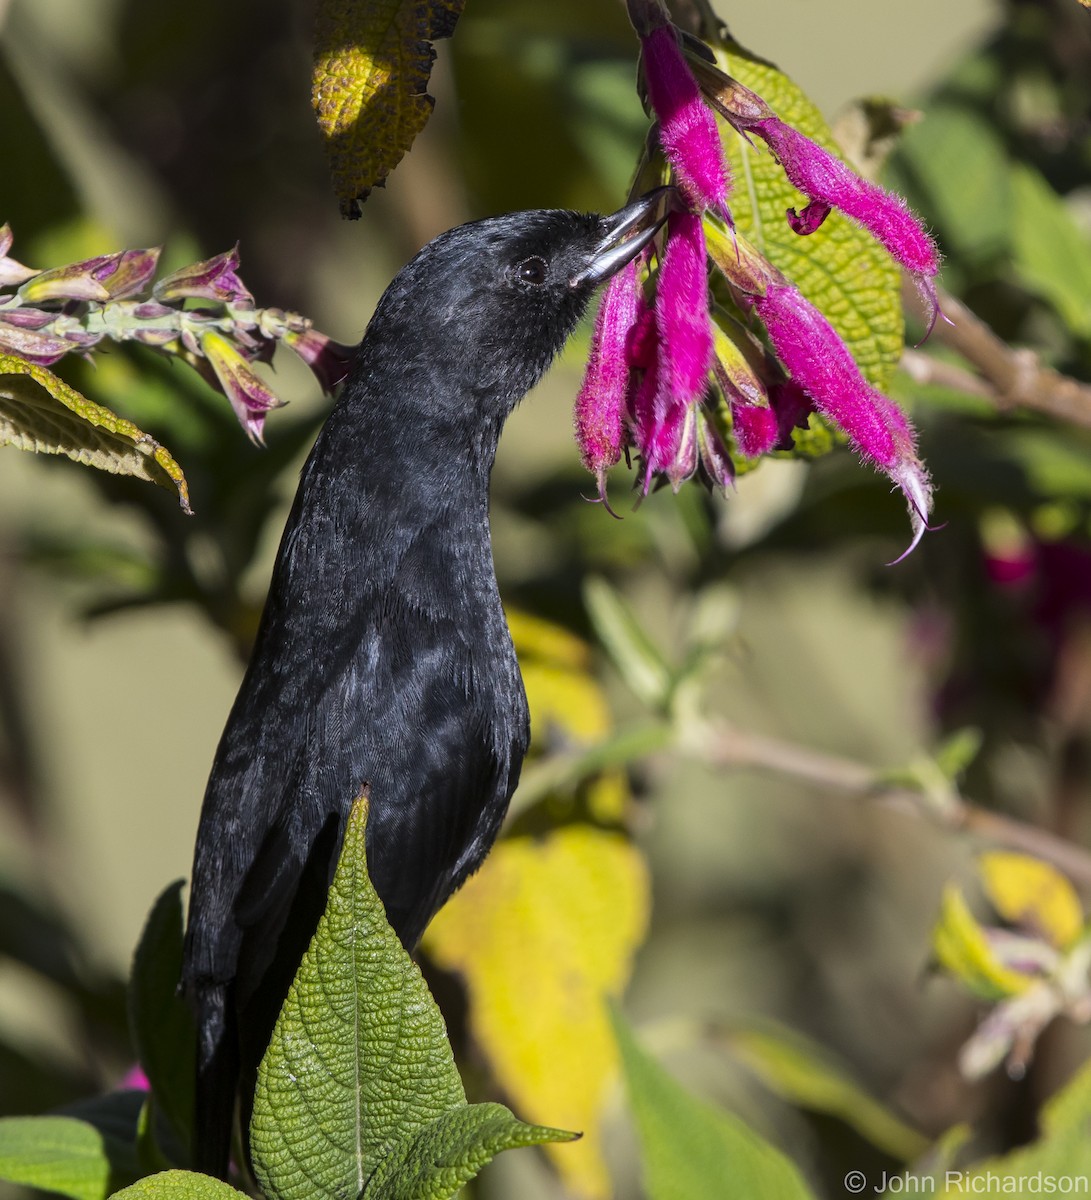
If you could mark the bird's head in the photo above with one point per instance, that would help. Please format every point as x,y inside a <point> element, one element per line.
<point>484,307</point>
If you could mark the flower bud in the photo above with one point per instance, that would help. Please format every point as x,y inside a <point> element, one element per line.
<point>213,279</point>
<point>23,332</point>
<point>249,397</point>
<point>329,360</point>
<point>12,273</point>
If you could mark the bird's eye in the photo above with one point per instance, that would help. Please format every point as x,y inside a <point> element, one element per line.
<point>533,271</point>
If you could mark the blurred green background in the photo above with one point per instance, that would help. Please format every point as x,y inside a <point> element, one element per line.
<point>121,623</point>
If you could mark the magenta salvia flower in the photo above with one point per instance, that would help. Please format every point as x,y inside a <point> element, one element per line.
<point>681,307</point>
<point>687,127</point>
<point>648,384</point>
<point>601,404</point>
<point>828,182</point>
<point>821,365</point>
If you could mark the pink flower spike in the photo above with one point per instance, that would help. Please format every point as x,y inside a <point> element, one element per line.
<point>823,178</point>
<point>687,127</point>
<point>682,319</point>
<point>820,363</point>
<point>600,405</point>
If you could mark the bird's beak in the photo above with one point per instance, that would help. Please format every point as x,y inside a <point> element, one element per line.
<point>627,232</point>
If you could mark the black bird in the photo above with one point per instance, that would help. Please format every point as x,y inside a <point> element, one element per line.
<point>383,658</point>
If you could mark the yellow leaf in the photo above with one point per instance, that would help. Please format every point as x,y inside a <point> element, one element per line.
<point>368,89</point>
<point>542,936</point>
<point>1030,893</point>
<point>40,412</point>
<point>537,638</point>
<point>567,705</point>
<point>962,946</point>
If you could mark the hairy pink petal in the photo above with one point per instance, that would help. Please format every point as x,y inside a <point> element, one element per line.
<point>687,127</point>
<point>827,181</point>
<point>821,176</point>
<point>600,404</point>
<point>820,363</point>
<point>681,306</point>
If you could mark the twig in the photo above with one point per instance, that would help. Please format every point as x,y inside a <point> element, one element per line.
<point>1010,377</point>
<point>724,745</point>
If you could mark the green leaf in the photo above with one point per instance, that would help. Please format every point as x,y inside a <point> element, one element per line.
<point>371,66</point>
<point>577,898</point>
<point>60,1154</point>
<point>359,1060</point>
<point>806,1075</point>
<point>179,1185</point>
<point>1061,1157</point>
<point>435,1162</point>
<point>632,651</point>
<point>956,753</point>
<point>40,412</point>
<point>1052,254</point>
<point>840,268</point>
<point>690,1148</point>
<point>160,1019</point>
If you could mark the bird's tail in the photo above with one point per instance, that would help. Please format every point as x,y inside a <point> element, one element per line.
<point>217,1081</point>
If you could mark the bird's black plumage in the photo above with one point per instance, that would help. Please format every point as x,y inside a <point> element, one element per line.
<point>383,658</point>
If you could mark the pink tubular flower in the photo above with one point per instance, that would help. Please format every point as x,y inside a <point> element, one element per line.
<point>819,362</point>
<point>600,406</point>
<point>828,182</point>
<point>681,308</point>
<point>687,127</point>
